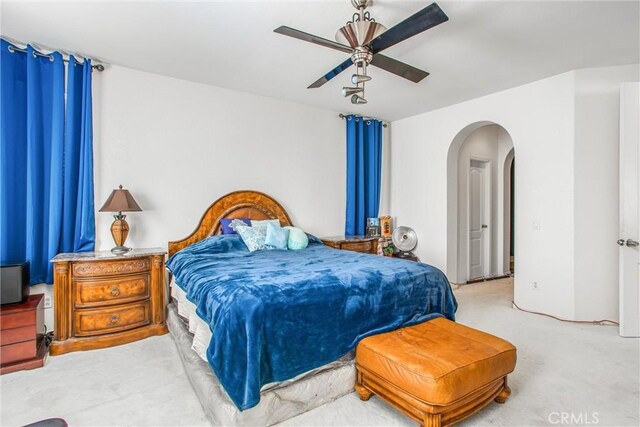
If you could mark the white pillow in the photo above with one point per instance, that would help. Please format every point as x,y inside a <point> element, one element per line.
<point>264,222</point>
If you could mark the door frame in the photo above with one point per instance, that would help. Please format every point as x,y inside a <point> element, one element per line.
<point>486,255</point>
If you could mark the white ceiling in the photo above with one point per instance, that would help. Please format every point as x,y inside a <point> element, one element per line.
<point>486,46</point>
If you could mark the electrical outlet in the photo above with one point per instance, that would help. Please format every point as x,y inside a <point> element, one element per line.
<point>535,285</point>
<point>47,301</point>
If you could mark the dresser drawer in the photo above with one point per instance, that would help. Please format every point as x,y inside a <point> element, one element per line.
<point>96,293</point>
<point>16,320</point>
<point>110,268</point>
<point>19,351</point>
<point>113,319</point>
<point>12,336</point>
<point>365,247</point>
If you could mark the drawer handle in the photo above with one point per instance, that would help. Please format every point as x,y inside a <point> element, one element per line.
<point>115,292</point>
<point>114,319</point>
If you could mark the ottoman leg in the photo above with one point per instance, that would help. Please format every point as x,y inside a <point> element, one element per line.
<point>360,389</point>
<point>504,394</point>
<point>432,420</point>
<point>363,392</point>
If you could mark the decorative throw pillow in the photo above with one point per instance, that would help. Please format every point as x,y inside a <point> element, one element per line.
<point>237,223</point>
<point>277,236</point>
<point>253,237</point>
<point>298,239</point>
<point>264,222</point>
<point>228,224</point>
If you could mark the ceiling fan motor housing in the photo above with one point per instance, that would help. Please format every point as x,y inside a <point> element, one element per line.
<point>359,33</point>
<point>361,56</point>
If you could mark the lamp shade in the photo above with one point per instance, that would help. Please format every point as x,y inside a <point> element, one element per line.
<point>120,200</point>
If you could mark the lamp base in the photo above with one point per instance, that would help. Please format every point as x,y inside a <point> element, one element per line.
<point>118,250</point>
<point>120,231</point>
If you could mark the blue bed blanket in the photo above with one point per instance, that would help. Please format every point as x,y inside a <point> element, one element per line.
<point>276,314</point>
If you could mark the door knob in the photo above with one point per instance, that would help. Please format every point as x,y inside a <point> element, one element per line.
<point>485,226</point>
<point>632,243</point>
<point>620,242</point>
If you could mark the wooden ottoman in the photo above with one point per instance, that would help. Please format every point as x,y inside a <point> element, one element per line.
<point>438,372</point>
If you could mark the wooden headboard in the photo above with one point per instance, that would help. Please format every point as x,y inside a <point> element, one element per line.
<point>239,204</point>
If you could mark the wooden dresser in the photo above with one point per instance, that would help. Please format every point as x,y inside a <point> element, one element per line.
<point>102,299</point>
<point>22,331</point>
<point>364,244</point>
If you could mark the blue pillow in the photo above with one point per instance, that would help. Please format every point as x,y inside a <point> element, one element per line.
<point>277,237</point>
<point>253,237</point>
<point>298,239</point>
<point>226,224</point>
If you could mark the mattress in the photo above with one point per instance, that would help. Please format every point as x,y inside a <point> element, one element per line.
<point>278,401</point>
<point>201,333</point>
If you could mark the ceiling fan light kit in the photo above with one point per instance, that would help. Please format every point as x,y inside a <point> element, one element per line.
<point>363,38</point>
<point>348,91</point>
<point>359,78</point>
<point>357,99</point>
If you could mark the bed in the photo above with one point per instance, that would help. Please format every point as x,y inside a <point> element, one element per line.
<point>281,326</point>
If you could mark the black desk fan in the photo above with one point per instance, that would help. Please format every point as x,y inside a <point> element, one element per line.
<point>405,240</point>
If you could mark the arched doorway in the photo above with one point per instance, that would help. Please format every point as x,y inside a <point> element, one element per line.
<point>480,203</point>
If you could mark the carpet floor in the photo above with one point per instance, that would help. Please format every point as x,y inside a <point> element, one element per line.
<point>567,374</point>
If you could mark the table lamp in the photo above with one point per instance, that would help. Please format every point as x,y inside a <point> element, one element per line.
<point>120,201</point>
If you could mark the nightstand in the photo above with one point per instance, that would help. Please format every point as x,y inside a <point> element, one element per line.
<point>102,299</point>
<point>364,244</point>
<point>22,343</point>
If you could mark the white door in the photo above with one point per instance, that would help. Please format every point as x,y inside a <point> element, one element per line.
<point>629,210</point>
<point>478,204</point>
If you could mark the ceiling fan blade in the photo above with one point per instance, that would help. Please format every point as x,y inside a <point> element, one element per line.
<point>331,74</point>
<point>399,68</point>
<point>420,21</point>
<point>301,35</point>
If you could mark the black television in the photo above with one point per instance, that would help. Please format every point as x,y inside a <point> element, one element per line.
<point>14,282</point>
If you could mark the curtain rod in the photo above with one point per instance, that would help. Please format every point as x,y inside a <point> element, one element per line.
<point>14,49</point>
<point>344,116</point>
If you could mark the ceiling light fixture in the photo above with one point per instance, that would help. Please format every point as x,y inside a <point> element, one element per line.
<point>357,33</point>
<point>356,99</point>
<point>348,91</point>
<point>359,78</point>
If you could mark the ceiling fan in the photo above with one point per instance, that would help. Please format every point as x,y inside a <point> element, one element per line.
<point>364,38</point>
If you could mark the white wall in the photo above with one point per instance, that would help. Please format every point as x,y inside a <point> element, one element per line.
<point>596,210</point>
<point>178,146</point>
<point>541,119</point>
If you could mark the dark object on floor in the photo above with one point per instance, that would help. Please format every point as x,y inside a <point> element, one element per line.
<point>406,255</point>
<point>22,343</point>
<point>436,385</point>
<point>50,422</point>
<point>14,283</point>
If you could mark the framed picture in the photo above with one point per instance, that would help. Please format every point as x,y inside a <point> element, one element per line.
<point>373,227</point>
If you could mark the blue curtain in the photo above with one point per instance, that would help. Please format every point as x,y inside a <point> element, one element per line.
<point>38,157</point>
<point>364,162</point>
<point>78,224</point>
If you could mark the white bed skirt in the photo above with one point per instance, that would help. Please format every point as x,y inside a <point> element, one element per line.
<point>278,401</point>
